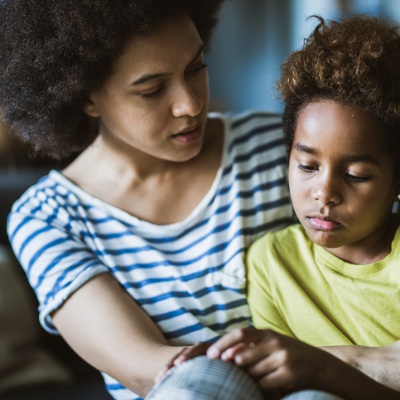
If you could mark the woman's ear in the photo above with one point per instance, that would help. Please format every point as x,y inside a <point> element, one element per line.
<point>90,108</point>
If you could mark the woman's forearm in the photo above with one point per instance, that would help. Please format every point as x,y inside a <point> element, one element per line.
<point>105,326</point>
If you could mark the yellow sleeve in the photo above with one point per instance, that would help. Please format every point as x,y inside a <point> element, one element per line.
<point>263,308</point>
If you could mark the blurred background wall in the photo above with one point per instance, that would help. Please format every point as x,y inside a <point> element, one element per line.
<point>254,37</point>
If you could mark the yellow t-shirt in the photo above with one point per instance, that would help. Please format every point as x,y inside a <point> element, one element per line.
<point>301,290</point>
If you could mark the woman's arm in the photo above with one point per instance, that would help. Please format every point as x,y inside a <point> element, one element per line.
<point>380,363</point>
<point>109,330</point>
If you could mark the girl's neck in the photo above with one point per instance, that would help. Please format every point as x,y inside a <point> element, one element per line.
<point>370,249</point>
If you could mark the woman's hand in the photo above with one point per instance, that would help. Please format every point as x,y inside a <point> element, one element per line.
<point>199,349</point>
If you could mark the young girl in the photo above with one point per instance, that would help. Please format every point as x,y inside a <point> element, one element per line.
<point>136,248</point>
<point>334,279</point>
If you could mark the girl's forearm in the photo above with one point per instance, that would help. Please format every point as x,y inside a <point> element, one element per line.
<point>382,364</point>
<point>347,381</point>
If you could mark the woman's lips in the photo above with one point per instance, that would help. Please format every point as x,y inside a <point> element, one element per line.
<point>189,136</point>
<point>323,224</point>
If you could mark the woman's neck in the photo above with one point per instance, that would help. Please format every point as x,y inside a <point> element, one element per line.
<point>164,193</point>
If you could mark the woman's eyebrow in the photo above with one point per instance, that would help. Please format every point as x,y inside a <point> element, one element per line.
<point>148,77</point>
<point>199,51</point>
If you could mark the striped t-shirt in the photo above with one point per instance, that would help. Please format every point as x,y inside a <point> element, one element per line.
<point>188,276</point>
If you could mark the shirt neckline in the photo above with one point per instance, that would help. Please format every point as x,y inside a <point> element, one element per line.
<point>61,179</point>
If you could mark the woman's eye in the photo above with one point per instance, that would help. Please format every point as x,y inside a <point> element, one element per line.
<point>197,68</point>
<point>307,168</point>
<point>151,93</point>
<point>357,179</point>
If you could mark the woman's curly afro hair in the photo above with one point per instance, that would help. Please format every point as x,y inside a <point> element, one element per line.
<point>355,62</point>
<point>53,53</point>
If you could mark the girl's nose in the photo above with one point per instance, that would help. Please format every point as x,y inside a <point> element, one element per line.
<point>327,191</point>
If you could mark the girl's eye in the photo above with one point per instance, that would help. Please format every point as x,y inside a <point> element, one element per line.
<point>357,179</point>
<point>307,168</point>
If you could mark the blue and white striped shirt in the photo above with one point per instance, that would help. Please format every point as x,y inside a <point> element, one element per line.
<point>188,276</point>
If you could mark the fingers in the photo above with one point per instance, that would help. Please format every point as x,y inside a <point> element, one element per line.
<point>186,353</point>
<point>168,366</point>
<point>199,349</point>
<point>231,353</point>
<point>233,339</point>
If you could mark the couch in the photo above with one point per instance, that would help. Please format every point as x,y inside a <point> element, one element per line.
<point>34,365</point>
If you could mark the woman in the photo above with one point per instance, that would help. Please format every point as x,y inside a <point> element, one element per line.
<point>135,249</point>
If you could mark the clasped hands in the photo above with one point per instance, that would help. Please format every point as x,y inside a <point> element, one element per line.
<point>272,359</point>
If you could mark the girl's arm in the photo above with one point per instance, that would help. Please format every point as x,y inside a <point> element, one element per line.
<point>109,330</point>
<point>279,361</point>
<point>380,363</point>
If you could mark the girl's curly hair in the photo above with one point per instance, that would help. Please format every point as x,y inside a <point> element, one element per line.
<point>355,62</point>
<point>53,53</point>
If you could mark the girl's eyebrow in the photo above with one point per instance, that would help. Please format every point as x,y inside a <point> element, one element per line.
<point>305,149</point>
<point>148,77</point>
<point>361,158</point>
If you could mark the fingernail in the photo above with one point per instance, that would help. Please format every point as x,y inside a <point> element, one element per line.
<point>212,352</point>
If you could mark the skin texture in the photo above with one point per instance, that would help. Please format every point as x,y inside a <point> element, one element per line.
<point>157,90</point>
<point>276,360</point>
<point>153,117</point>
<point>338,164</point>
<point>138,154</point>
<point>281,365</point>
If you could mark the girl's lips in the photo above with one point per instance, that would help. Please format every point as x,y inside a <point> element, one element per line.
<point>323,224</point>
<point>189,136</point>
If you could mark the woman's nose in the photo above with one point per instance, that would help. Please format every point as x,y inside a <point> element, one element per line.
<point>186,102</point>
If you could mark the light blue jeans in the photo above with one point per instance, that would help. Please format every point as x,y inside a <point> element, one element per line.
<point>205,379</point>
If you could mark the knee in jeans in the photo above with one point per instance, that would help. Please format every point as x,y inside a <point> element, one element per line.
<point>204,379</point>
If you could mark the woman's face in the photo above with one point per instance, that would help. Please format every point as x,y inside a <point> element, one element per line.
<point>155,102</point>
<point>341,176</point>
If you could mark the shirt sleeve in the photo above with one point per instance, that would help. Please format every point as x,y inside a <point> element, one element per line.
<point>56,261</point>
<point>264,312</point>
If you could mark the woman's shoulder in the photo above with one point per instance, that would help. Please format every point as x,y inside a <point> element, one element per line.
<point>246,121</point>
<point>247,129</point>
<point>45,200</point>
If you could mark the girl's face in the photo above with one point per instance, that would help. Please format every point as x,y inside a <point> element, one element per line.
<point>155,102</point>
<point>341,177</point>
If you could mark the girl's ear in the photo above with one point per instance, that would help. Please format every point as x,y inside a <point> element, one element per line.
<point>90,108</point>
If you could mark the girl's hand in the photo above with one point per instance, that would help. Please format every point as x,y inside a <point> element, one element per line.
<point>275,360</point>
